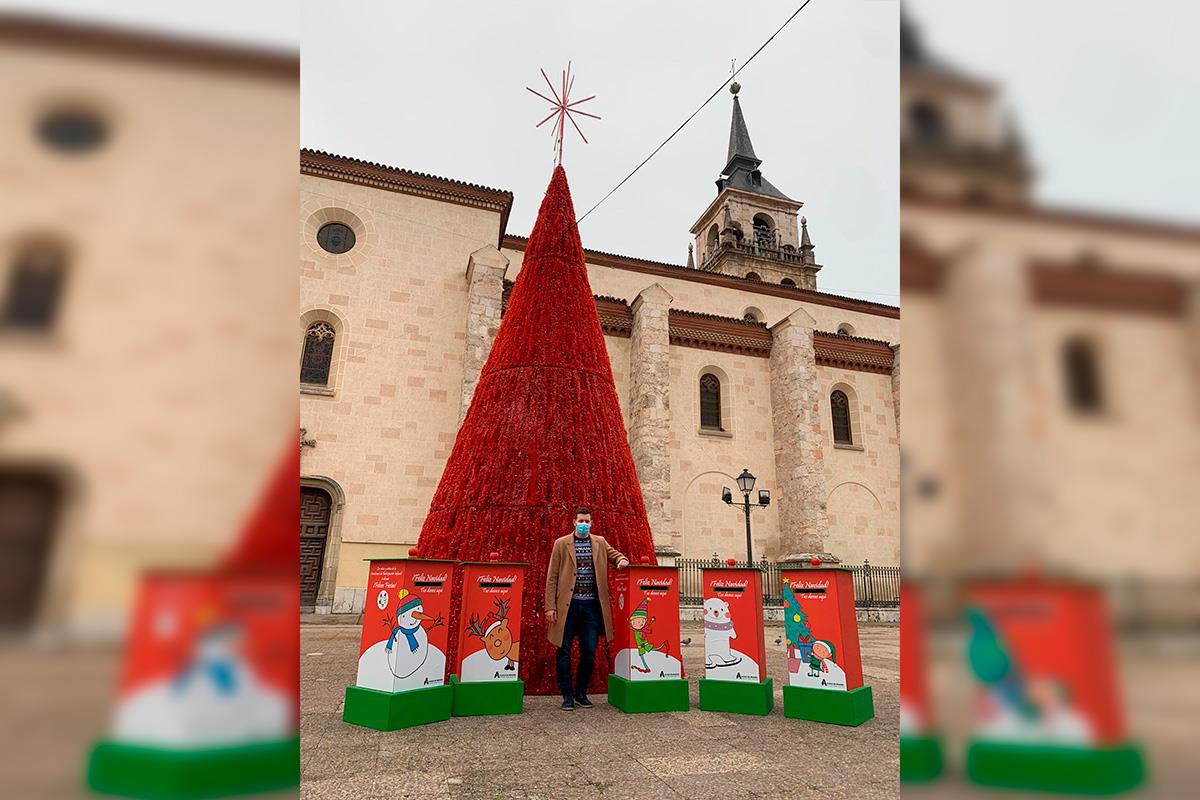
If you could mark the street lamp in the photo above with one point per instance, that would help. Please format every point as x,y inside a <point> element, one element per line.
<point>745,483</point>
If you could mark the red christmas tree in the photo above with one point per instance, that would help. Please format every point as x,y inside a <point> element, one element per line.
<point>543,435</point>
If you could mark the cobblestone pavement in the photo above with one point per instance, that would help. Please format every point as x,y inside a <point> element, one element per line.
<point>601,752</point>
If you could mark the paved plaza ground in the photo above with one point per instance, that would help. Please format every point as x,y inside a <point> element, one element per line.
<point>601,752</point>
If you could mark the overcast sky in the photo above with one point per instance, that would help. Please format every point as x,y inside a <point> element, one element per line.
<point>425,86</point>
<point>1106,93</point>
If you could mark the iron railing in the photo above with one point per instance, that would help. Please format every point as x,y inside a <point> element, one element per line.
<point>874,587</point>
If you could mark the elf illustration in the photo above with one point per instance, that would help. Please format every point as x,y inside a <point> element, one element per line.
<point>795,628</point>
<point>640,622</point>
<point>822,657</point>
<point>409,642</point>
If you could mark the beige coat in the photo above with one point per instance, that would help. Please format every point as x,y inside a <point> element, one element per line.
<point>560,582</point>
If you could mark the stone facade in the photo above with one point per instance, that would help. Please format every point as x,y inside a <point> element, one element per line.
<point>650,405</point>
<point>485,298</point>
<point>156,401</point>
<point>1002,468</point>
<point>799,440</point>
<point>418,305</point>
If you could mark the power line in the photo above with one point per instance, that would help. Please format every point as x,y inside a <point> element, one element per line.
<point>697,111</point>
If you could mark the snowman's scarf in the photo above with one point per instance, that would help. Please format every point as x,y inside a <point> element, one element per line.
<point>410,635</point>
<point>718,626</point>
<point>221,673</point>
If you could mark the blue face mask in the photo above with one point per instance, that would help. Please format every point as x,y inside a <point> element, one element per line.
<point>582,528</point>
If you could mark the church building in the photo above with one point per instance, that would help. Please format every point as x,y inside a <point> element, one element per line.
<point>1052,355</point>
<point>735,360</point>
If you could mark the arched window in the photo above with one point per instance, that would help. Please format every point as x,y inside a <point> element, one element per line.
<point>714,238</point>
<point>787,282</point>
<point>1081,372</point>
<point>845,329</point>
<point>34,287</point>
<point>926,123</point>
<point>710,402</point>
<point>840,405</point>
<point>318,354</point>
<point>752,314</point>
<point>764,230</point>
<point>753,276</point>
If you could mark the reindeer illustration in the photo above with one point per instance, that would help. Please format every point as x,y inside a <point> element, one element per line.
<point>493,631</point>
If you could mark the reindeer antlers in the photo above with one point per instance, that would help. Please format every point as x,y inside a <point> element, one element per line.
<point>502,608</point>
<point>475,628</point>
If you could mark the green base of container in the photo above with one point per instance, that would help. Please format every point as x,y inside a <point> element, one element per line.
<point>391,711</point>
<point>487,698</point>
<point>737,697</point>
<point>157,773</point>
<point>641,697</point>
<point>920,758</point>
<point>1049,768</point>
<point>826,705</point>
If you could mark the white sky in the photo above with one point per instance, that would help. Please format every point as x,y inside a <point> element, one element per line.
<point>1105,92</point>
<point>272,24</point>
<point>425,86</point>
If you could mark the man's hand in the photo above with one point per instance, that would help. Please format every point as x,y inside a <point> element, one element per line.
<point>552,616</point>
<point>622,563</point>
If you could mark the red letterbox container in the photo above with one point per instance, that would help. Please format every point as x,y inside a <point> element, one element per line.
<point>920,745</point>
<point>735,675</point>
<point>647,669</point>
<point>1048,713</point>
<point>208,687</point>
<point>405,630</point>
<point>486,676</point>
<point>825,681</point>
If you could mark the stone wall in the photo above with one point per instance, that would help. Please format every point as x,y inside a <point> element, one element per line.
<point>650,405</point>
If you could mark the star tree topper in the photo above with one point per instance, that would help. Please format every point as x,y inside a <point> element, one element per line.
<point>564,108</point>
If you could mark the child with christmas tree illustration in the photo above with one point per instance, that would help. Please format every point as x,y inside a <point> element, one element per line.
<point>795,627</point>
<point>640,622</point>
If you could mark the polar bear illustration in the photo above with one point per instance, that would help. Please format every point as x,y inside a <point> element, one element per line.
<point>718,632</point>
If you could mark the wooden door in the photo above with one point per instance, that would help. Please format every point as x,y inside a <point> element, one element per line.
<point>29,512</point>
<point>315,506</point>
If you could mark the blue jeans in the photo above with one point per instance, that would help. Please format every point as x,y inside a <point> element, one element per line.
<point>585,621</point>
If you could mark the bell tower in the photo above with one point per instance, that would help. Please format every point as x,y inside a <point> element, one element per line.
<point>750,229</point>
<point>955,141</point>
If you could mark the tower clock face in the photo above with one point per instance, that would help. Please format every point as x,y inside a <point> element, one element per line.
<point>382,599</point>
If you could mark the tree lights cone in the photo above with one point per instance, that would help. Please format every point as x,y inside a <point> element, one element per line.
<point>543,435</point>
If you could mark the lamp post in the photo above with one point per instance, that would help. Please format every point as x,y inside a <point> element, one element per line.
<point>745,483</point>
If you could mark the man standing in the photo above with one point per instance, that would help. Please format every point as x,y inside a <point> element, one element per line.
<point>577,603</point>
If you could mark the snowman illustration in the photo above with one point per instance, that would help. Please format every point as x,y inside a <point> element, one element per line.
<point>718,632</point>
<point>408,646</point>
<point>213,698</point>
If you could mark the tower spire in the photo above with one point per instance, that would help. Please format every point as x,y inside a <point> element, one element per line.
<point>740,146</point>
<point>741,163</point>
<point>806,246</point>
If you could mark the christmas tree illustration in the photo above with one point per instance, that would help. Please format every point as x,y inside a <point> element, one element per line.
<point>795,627</point>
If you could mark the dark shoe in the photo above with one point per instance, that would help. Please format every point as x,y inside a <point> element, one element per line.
<point>568,703</point>
<point>582,701</point>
